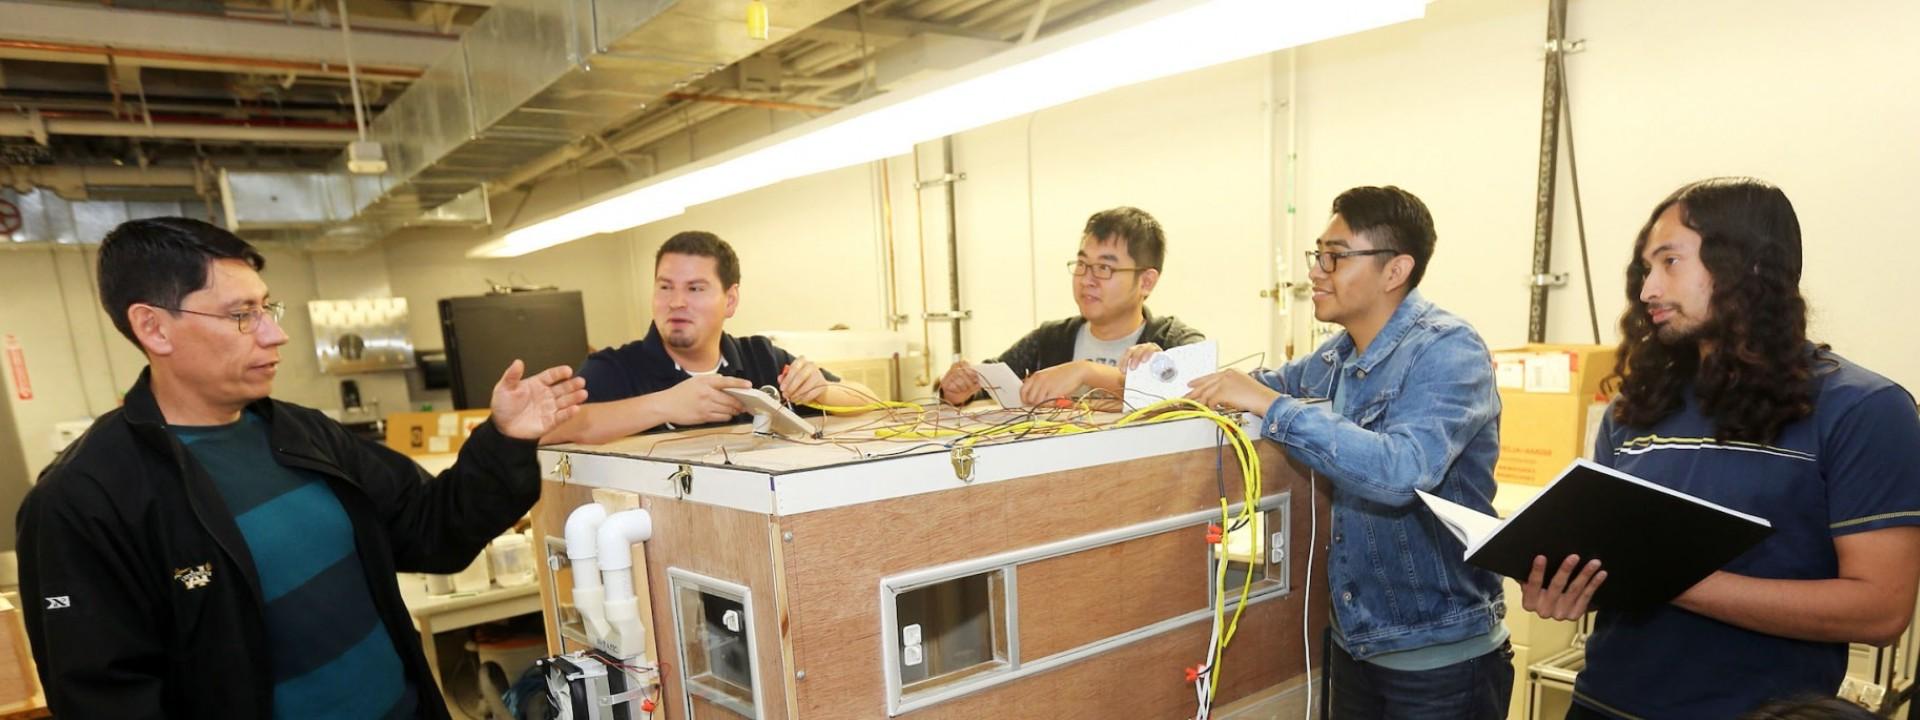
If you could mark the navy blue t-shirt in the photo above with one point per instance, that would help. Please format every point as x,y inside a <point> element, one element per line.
<point>332,655</point>
<point>1851,467</point>
<point>643,367</point>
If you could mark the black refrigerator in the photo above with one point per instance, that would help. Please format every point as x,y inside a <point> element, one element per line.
<point>484,335</point>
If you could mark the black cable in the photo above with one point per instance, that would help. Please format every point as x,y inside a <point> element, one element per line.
<point>1579,212</point>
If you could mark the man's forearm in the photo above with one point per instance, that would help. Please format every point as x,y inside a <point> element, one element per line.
<point>601,422</point>
<point>1103,377</point>
<point>1835,610</point>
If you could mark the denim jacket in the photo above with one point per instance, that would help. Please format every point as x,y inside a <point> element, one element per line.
<point>1422,414</point>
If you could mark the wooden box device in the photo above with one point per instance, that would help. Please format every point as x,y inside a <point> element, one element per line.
<point>1066,576</point>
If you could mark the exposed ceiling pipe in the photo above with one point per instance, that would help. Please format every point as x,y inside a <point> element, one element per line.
<point>353,72</point>
<point>71,181</point>
<point>932,10</point>
<point>666,124</point>
<point>836,80</point>
<point>526,83</point>
<point>751,102</point>
<point>957,14</point>
<point>15,125</point>
<point>1033,26</point>
<point>197,60</point>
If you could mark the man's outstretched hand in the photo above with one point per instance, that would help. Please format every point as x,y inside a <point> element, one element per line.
<point>526,408</point>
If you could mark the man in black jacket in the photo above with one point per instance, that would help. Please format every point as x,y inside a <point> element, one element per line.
<point>1121,255</point>
<point>207,551</point>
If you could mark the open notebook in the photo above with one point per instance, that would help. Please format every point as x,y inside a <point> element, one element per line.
<point>1654,542</point>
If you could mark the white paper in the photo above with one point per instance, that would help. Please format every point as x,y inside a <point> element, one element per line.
<point>1000,383</point>
<point>1166,374</point>
<point>449,424</point>
<point>784,421</point>
<point>1469,525</point>
<point>439,444</point>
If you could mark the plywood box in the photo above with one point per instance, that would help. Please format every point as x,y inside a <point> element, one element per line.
<point>1058,577</point>
<point>1545,394</point>
<point>432,433</point>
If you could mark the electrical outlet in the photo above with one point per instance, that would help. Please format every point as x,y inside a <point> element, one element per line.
<point>910,635</point>
<point>1871,695</point>
<point>1850,689</point>
<point>911,656</point>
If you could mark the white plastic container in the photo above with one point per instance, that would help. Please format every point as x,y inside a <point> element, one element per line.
<point>476,578</point>
<point>512,557</point>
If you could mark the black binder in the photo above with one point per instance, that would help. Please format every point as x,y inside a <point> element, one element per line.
<point>1653,542</point>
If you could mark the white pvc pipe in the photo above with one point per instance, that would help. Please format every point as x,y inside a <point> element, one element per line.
<point>617,536</point>
<point>583,524</point>
<point>582,542</point>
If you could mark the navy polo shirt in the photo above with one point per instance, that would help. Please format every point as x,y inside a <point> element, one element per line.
<point>1851,467</point>
<point>643,367</point>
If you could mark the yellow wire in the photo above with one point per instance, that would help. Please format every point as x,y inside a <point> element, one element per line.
<point>850,409</point>
<point>1248,457</point>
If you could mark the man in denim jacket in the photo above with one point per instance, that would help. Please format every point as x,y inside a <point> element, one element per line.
<point>1403,400</point>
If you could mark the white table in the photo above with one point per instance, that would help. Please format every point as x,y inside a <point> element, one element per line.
<point>443,613</point>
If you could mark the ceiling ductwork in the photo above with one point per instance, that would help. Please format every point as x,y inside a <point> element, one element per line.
<point>42,219</point>
<point>531,77</point>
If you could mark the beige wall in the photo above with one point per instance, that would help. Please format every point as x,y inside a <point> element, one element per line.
<point>1816,97</point>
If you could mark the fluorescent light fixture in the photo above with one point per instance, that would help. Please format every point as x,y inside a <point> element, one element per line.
<point>1151,41</point>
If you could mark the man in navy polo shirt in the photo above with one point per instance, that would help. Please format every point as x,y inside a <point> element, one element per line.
<point>1723,397</point>
<point>677,374</point>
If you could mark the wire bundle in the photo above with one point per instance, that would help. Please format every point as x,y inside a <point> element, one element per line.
<point>1206,676</point>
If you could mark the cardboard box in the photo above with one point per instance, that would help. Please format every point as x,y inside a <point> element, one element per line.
<point>19,682</point>
<point>1545,394</point>
<point>432,433</point>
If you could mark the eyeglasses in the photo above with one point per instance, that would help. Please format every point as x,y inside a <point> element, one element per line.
<point>246,320</point>
<point>1330,260</point>
<point>1101,271</point>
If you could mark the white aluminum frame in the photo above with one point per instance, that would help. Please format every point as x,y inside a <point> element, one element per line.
<point>1017,667</point>
<point>679,579</point>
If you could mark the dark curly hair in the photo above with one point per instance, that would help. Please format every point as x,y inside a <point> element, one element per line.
<point>1760,375</point>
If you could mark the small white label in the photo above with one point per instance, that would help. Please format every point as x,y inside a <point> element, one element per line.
<point>59,601</point>
<point>910,655</point>
<point>731,619</point>
<point>1550,372</point>
<point>438,444</point>
<point>1510,373</point>
<point>910,635</point>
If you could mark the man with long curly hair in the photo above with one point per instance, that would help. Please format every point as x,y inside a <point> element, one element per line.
<point>1722,396</point>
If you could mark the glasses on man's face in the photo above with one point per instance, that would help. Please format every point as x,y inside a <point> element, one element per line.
<point>1330,260</point>
<point>1101,271</point>
<point>246,320</point>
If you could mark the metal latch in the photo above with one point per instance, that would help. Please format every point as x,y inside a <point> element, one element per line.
<point>1549,280</point>
<point>682,481</point>
<point>948,316</point>
<point>963,463</point>
<point>563,469</point>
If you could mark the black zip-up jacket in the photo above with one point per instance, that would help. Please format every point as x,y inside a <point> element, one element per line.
<point>1052,343</point>
<point>141,599</point>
